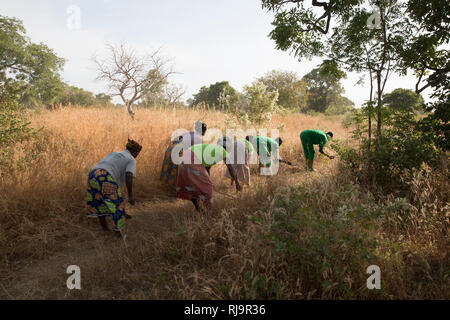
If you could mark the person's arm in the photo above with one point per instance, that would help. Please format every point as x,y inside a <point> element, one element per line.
<point>233,175</point>
<point>323,152</point>
<point>129,184</point>
<point>285,161</point>
<point>277,154</point>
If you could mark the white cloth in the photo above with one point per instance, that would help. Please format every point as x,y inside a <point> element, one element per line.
<point>117,164</point>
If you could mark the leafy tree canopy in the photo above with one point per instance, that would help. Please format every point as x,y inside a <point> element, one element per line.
<point>291,89</point>
<point>217,96</point>
<point>324,89</point>
<point>404,100</point>
<point>27,70</point>
<point>79,97</point>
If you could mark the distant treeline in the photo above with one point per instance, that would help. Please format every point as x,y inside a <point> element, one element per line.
<point>317,91</point>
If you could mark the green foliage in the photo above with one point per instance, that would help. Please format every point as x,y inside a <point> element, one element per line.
<point>219,96</point>
<point>292,93</point>
<point>411,35</point>
<point>339,105</point>
<point>76,97</point>
<point>427,54</point>
<point>329,71</point>
<point>404,100</point>
<point>15,130</point>
<point>29,69</point>
<point>351,43</point>
<point>324,91</point>
<point>432,22</point>
<point>79,97</point>
<point>435,128</point>
<point>103,99</point>
<point>256,104</point>
<point>400,150</point>
<point>153,90</point>
<point>326,249</point>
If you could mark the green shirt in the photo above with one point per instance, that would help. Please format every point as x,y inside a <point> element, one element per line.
<point>248,145</point>
<point>209,154</point>
<point>315,137</point>
<point>267,145</point>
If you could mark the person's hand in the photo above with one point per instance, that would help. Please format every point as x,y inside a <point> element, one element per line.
<point>131,200</point>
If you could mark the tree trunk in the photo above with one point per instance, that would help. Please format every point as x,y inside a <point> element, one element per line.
<point>370,111</point>
<point>379,93</point>
<point>130,109</point>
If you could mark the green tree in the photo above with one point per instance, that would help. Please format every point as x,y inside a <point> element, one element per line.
<point>30,71</point>
<point>428,56</point>
<point>14,130</point>
<point>354,42</point>
<point>379,38</point>
<point>219,95</point>
<point>404,100</point>
<point>324,89</point>
<point>76,97</point>
<point>291,90</point>
<point>256,105</point>
<point>153,94</point>
<point>103,99</point>
<point>340,105</point>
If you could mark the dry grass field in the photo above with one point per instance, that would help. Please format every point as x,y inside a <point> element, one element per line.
<point>173,252</point>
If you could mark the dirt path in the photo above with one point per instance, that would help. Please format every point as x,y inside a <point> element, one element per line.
<point>149,216</point>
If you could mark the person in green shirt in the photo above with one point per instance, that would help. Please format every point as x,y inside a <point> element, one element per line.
<point>194,181</point>
<point>311,137</point>
<point>248,145</point>
<point>266,148</point>
<point>209,154</point>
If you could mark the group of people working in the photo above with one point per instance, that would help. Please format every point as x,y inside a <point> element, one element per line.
<point>186,169</point>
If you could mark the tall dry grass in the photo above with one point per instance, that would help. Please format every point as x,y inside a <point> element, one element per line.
<point>291,236</point>
<point>43,204</point>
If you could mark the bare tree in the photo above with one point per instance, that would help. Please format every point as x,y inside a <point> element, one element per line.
<point>129,76</point>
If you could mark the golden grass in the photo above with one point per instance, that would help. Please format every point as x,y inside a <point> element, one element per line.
<point>172,251</point>
<point>43,204</point>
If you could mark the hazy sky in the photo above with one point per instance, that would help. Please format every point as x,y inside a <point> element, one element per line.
<point>207,40</point>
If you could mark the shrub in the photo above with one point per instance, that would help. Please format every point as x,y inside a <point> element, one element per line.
<point>390,159</point>
<point>328,251</point>
<point>15,131</point>
<point>256,105</point>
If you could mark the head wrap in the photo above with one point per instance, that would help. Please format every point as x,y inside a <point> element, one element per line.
<point>224,141</point>
<point>279,140</point>
<point>133,146</point>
